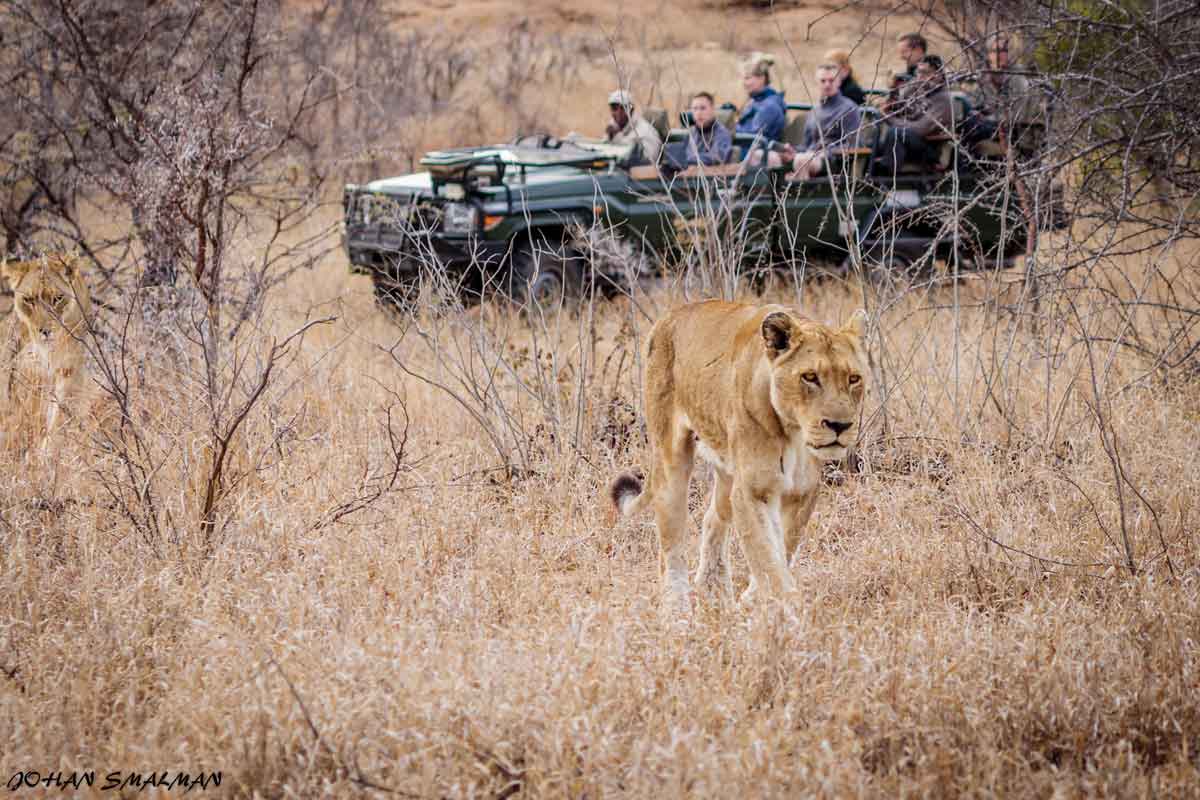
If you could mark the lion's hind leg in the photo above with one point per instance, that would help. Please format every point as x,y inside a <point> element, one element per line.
<point>714,575</point>
<point>673,471</point>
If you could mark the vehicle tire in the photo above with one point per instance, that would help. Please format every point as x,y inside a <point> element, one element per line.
<point>547,276</point>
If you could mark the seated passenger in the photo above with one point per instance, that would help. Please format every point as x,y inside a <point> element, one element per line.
<point>629,127</point>
<point>847,85</point>
<point>764,115</point>
<point>924,111</point>
<point>833,122</point>
<point>709,142</point>
<point>911,47</point>
<point>1004,98</point>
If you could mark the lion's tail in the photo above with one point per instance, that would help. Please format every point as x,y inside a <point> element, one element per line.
<point>628,495</point>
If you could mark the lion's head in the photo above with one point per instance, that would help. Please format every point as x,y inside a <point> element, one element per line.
<point>50,295</point>
<point>818,377</point>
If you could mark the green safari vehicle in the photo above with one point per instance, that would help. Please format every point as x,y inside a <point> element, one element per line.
<point>519,218</point>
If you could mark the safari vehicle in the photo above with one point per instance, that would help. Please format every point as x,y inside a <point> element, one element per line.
<point>510,218</point>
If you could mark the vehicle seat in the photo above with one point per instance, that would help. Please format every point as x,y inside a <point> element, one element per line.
<point>727,115</point>
<point>658,118</point>
<point>793,131</point>
<point>676,135</point>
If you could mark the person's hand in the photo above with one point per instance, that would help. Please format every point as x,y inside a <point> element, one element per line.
<point>787,151</point>
<point>611,129</point>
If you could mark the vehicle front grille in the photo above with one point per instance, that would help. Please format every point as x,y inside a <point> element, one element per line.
<point>405,214</point>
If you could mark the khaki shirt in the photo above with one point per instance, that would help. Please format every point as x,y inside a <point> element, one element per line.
<point>639,130</point>
<point>1011,99</point>
<point>925,111</point>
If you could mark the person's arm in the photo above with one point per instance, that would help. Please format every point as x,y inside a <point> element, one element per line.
<point>651,143</point>
<point>923,126</point>
<point>941,114</point>
<point>937,118</point>
<point>851,123</point>
<point>812,132</point>
<point>773,120</point>
<point>722,144</point>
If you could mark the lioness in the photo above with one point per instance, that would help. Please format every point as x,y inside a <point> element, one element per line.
<point>762,394</point>
<point>52,304</point>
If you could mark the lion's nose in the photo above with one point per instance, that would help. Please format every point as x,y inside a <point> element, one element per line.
<point>836,427</point>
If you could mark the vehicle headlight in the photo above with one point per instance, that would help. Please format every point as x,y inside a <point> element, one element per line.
<point>459,218</point>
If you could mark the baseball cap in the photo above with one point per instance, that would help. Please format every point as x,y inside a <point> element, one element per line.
<point>621,98</point>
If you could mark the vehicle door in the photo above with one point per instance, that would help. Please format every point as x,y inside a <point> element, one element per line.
<point>723,214</point>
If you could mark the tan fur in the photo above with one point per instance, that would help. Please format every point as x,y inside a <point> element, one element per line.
<point>51,304</point>
<point>734,384</point>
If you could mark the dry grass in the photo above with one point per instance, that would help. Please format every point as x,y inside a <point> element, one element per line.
<point>471,636</point>
<point>476,635</point>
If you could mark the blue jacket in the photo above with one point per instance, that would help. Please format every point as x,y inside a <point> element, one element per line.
<point>711,146</point>
<point>832,123</point>
<point>764,115</point>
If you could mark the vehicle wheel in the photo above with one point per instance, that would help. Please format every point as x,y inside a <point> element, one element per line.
<point>546,276</point>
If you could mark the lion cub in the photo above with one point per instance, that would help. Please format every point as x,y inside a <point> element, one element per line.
<point>52,306</point>
<point>764,395</point>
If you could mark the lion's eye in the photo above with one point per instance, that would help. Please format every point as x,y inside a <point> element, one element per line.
<point>811,377</point>
<point>855,379</point>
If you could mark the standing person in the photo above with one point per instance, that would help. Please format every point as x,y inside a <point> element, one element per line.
<point>629,127</point>
<point>764,115</point>
<point>833,122</point>
<point>847,85</point>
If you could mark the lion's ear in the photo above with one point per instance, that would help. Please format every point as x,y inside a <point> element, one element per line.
<point>778,332</point>
<point>856,326</point>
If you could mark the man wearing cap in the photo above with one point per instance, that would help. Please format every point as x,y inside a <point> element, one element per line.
<point>629,127</point>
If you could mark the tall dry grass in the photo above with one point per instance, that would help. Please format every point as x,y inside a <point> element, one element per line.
<point>966,623</point>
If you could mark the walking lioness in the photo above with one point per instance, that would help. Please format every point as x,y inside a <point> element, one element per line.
<point>764,395</point>
<point>52,304</point>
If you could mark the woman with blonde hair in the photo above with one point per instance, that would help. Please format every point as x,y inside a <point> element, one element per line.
<point>849,87</point>
<point>764,115</point>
